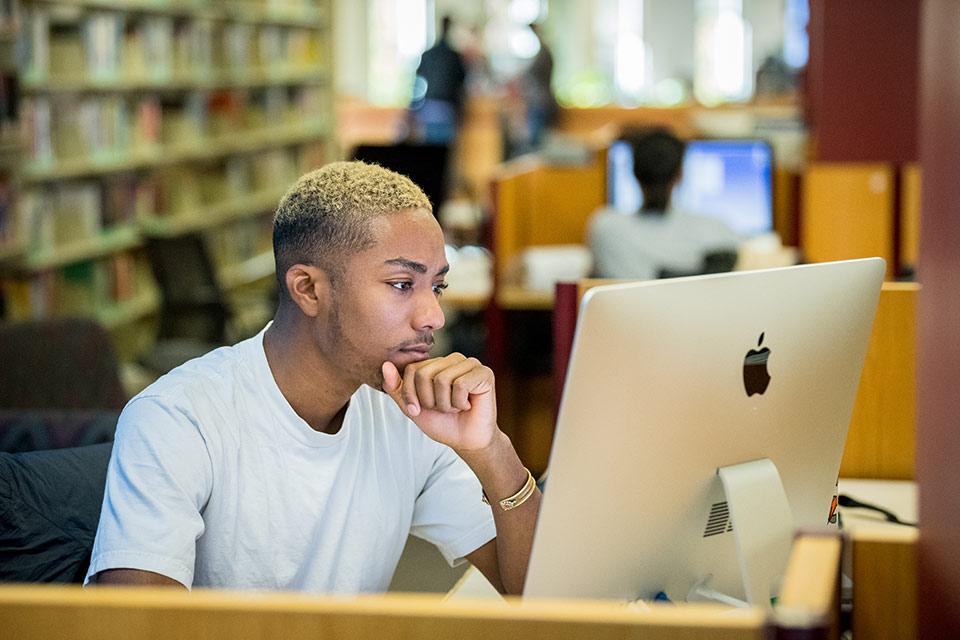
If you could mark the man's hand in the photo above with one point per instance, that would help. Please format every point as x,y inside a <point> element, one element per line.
<point>452,399</point>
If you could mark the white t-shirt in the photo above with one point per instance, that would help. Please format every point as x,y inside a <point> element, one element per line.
<point>215,481</point>
<point>638,246</point>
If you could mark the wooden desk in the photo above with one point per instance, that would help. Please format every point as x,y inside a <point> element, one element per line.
<point>29,612</point>
<point>880,557</point>
<point>45,611</point>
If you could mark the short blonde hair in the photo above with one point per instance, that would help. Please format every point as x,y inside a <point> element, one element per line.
<point>326,215</point>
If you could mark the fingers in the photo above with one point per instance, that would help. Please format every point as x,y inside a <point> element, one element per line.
<point>392,382</point>
<point>391,378</point>
<point>443,384</point>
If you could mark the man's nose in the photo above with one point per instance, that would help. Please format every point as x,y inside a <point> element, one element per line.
<point>429,315</point>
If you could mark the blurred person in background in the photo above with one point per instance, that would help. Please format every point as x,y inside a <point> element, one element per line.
<point>540,105</point>
<point>658,240</point>
<point>437,107</point>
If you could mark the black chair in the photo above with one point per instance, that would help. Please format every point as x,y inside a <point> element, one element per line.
<point>194,305</point>
<point>49,511</point>
<point>713,262</point>
<point>60,363</point>
<point>194,312</point>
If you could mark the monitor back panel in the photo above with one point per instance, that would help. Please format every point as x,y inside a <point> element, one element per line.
<point>655,400</point>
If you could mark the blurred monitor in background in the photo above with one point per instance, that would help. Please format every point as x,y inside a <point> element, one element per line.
<point>731,180</point>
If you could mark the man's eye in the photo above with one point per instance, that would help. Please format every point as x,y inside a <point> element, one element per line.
<point>438,288</point>
<point>402,286</point>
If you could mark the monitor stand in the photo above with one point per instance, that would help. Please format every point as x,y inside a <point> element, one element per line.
<point>762,528</point>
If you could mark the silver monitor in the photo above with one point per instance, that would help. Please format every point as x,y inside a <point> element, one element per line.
<point>670,381</point>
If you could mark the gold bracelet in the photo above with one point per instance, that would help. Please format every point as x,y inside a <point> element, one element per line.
<point>519,497</point>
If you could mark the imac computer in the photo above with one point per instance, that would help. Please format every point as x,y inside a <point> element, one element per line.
<point>702,424</point>
<point>727,179</point>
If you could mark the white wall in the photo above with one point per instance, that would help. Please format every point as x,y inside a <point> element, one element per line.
<point>571,30</point>
<point>350,47</point>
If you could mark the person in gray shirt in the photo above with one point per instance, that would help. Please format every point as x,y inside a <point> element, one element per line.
<point>658,240</point>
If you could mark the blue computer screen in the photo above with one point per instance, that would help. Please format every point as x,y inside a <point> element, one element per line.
<point>726,179</point>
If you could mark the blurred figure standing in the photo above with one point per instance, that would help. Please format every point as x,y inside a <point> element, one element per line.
<point>437,105</point>
<point>540,105</point>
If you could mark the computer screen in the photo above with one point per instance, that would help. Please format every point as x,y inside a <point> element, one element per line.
<point>727,179</point>
<point>670,381</point>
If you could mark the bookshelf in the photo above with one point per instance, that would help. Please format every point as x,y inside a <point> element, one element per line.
<point>151,118</point>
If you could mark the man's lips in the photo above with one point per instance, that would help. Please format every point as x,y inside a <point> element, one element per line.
<point>416,349</point>
<point>415,352</point>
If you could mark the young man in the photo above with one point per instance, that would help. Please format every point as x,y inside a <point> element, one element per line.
<point>658,240</point>
<point>303,457</point>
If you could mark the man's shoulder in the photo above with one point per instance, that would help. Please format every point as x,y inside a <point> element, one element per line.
<point>215,372</point>
<point>607,221</point>
<point>605,215</point>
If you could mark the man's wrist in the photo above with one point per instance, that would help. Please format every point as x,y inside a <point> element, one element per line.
<point>498,450</point>
<point>497,467</point>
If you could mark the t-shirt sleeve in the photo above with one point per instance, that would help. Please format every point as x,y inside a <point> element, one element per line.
<point>449,511</point>
<point>158,481</point>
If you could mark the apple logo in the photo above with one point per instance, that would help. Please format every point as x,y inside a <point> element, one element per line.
<point>755,376</point>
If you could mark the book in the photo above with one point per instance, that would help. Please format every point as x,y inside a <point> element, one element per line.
<point>157,47</point>
<point>36,218</point>
<point>9,16</point>
<point>81,288</point>
<point>8,227</point>
<point>36,118</point>
<point>33,47</point>
<point>103,35</point>
<point>146,128</point>
<point>77,212</point>
<point>67,59</point>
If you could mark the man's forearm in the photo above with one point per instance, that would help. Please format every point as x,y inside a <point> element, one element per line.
<point>502,474</point>
<point>137,577</point>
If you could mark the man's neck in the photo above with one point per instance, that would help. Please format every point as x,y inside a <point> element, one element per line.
<point>315,393</point>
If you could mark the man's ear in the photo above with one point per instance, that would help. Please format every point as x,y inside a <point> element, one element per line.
<point>309,288</point>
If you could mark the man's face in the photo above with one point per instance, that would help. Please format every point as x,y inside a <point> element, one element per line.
<point>385,304</point>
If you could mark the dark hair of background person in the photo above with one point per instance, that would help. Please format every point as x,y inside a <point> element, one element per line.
<point>657,162</point>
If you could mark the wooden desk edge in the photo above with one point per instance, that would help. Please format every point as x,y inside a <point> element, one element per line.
<point>35,611</point>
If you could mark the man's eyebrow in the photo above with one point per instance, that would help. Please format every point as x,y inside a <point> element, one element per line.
<point>419,267</point>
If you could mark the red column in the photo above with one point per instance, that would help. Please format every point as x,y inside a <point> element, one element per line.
<point>861,80</point>
<point>938,326</point>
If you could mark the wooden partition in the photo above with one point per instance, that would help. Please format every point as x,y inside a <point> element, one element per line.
<point>909,215</point>
<point>881,440</point>
<point>43,612</point>
<point>534,205</point>
<point>29,612</point>
<point>810,597</point>
<point>537,204</point>
<point>884,572</point>
<point>847,212</point>
<point>786,201</point>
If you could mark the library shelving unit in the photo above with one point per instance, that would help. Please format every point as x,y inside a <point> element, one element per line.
<point>147,118</point>
<point>9,133</point>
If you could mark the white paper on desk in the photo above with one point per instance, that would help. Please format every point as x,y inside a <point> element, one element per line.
<point>545,266</point>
